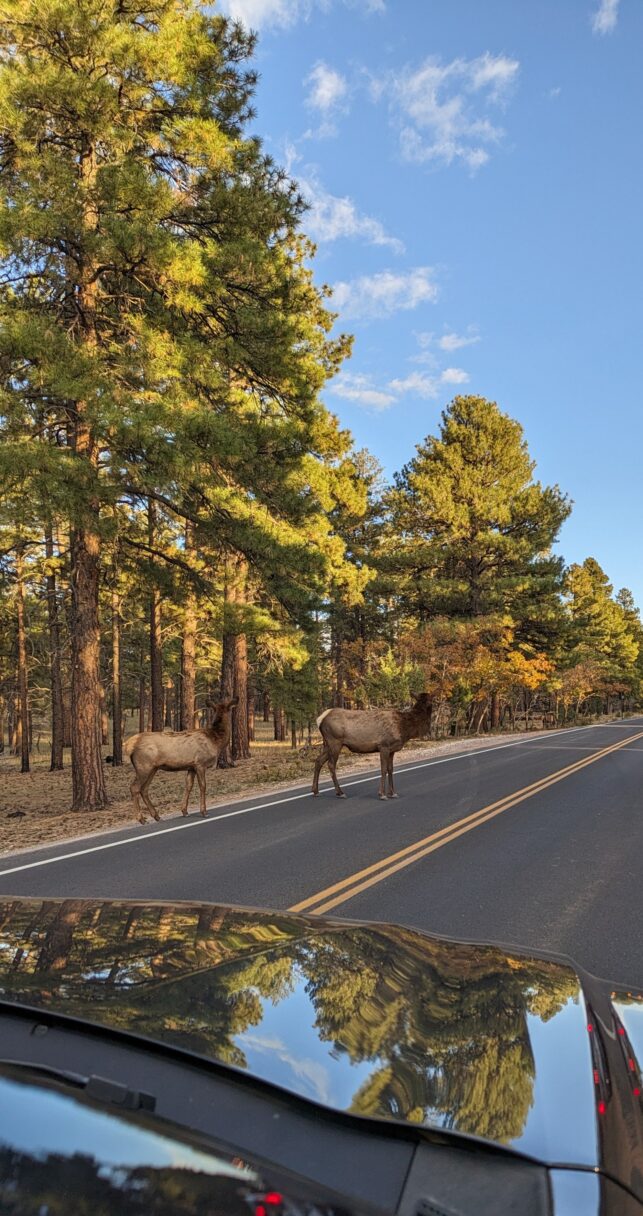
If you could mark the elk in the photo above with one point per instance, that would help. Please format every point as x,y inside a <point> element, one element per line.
<point>189,751</point>
<point>370,730</point>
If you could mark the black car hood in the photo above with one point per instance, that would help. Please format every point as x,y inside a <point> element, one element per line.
<point>377,1020</point>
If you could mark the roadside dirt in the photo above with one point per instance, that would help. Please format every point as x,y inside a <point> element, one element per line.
<point>34,807</point>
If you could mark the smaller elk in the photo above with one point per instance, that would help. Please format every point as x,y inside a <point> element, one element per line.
<point>189,751</point>
<point>370,730</point>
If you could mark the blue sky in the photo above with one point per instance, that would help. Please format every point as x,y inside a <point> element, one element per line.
<point>475,175</point>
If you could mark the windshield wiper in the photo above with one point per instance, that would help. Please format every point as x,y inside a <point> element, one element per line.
<point>101,1089</point>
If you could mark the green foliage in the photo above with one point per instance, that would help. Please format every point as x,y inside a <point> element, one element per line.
<point>470,530</point>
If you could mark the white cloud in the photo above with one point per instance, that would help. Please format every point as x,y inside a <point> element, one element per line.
<point>328,88</point>
<point>379,295</point>
<point>359,388</point>
<point>262,14</point>
<point>454,375</point>
<point>330,218</point>
<point>605,17</point>
<point>442,107</point>
<point>453,341</point>
<point>416,382</point>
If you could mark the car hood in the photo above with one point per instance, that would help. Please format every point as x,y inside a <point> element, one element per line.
<point>373,1019</point>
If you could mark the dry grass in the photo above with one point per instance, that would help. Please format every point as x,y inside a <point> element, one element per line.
<point>42,798</point>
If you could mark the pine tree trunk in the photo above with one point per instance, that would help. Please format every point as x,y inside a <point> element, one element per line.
<point>2,715</point>
<point>57,711</point>
<point>23,693</point>
<point>266,707</point>
<point>227,687</point>
<point>142,701</point>
<point>188,649</point>
<point>234,663</point>
<point>240,739</point>
<point>495,710</point>
<point>293,734</point>
<point>168,705</point>
<point>251,714</point>
<point>117,695</point>
<point>104,718</point>
<point>88,779</point>
<point>156,651</point>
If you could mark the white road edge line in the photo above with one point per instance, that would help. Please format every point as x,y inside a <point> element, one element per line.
<point>197,823</point>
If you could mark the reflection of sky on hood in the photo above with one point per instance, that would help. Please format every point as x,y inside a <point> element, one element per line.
<point>562,1120</point>
<point>39,1122</point>
<point>285,1049</point>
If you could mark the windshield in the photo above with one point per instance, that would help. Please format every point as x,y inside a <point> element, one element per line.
<point>319,577</point>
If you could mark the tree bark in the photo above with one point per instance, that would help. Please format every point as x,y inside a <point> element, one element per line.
<point>104,717</point>
<point>156,651</point>
<point>279,720</point>
<point>142,702</point>
<point>188,649</point>
<point>495,710</point>
<point>88,778</point>
<point>266,706</point>
<point>57,711</point>
<point>251,714</point>
<point>23,685</point>
<point>117,695</point>
<point>240,734</point>
<point>234,663</point>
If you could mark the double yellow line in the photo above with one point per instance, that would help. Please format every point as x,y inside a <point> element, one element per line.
<point>330,897</point>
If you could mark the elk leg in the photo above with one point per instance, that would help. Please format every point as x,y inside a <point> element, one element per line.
<point>384,759</point>
<point>146,798</point>
<point>333,757</point>
<point>319,764</point>
<point>189,782</point>
<point>200,776</point>
<point>138,790</point>
<point>135,790</point>
<point>391,787</point>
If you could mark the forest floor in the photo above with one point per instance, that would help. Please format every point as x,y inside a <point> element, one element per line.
<point>34,807</point>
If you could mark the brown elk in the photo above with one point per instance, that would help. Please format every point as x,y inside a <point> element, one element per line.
<point>189,751</point>
<point>370,730</point>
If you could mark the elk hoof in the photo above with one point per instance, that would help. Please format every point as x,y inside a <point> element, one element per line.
<point>203,814</point>
<point>394,795</point>
<point>141,818</point>
<point>184,813</point>
<point>341,794</point>
<point>382,797</point>
<point>157,817</point>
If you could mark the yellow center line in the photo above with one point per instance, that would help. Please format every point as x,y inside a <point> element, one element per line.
<point>346,888</point>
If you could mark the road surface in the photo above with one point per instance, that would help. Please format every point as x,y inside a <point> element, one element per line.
<point>537,843</point>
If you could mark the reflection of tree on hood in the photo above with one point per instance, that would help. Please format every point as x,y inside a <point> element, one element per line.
<point>444,1026</point>
<point>381,1004</point>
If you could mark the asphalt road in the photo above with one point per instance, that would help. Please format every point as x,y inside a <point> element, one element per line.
<point>538,844</point>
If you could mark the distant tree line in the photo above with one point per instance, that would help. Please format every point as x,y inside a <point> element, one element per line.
<point>180,514</point>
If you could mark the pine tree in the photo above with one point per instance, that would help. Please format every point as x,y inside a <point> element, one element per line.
<point>471,531</point>
<point>159,317</point>
<point>603,631</point>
